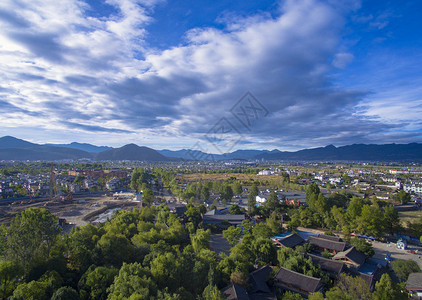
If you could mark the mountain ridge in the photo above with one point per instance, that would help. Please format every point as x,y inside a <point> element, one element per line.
<point>12,148</point>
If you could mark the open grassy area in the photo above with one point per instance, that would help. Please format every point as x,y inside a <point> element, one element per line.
<point>411,216</point>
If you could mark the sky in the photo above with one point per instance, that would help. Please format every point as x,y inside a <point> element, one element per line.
<point>210,75</point>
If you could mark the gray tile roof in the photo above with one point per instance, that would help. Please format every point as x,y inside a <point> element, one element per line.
<point>290,241</point>
<point>414,282</point>
<point>298,281</point>
<point>334,268</point>
<point>235,292</point>
<point>328,244</point>
<point>353,255</point>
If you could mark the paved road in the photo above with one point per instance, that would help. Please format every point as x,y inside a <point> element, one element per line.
<point>381,249</point>
<point>219,244</point>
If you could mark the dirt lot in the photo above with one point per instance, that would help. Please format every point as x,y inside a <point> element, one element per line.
<point>73,211</point>
<point>381,249</point>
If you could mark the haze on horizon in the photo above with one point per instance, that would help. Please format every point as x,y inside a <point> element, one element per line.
<point>163,74</point>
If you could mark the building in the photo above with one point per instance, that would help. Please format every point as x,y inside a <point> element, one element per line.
<point>352,257</point>
<point>286,279</point>
<point>326,242</point>
<point>290,241</point>
<point>414,285</point>
<point>331,267</point>
<point>415,187</point>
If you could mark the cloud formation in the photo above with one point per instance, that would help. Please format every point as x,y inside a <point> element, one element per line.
<point>67,67</point>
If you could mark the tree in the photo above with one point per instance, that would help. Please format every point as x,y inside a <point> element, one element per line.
<point>403,268</point>
<point>235,210</point>
<point>237,188</point>
<point>371,221</point>
<point>41,289</point>
<point>402,197</point>
<point>363,246</point>
<point>232,235</point>
<point>272,202</point>
<point>253,192</point>
<point>392,220</point>
<point>65,293</point>
<point>349,287</point>
<point>31,234</point>
<point>97,282</point>
<point>211,292</point>
<point>133,281</point>
<point>9,273</point>
<point>385,289</point>
<point>201,240</point>
<point>291,296</point>
<point>147,196</point>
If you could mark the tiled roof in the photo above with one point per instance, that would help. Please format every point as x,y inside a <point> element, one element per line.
<point>298,281</point>
<point>352,254</point>
<point>414,282</point>
<point>327,244</point>
<point>290,241</point>
<point>235,292</point>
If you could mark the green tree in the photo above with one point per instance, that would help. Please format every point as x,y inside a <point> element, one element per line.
<point>362,246</point>
<point>147,197</point>
<point>385,289</point>
<point>31,234</point>
<point>201,240</point>
<point>38,289</point>
<point>98,280</point>
<point>253,192</point>
<point>403,268</point>
<point>235,210</point>
<point>232,235</point>
<point>371,221</point>
<point>237,188</point>
<point>348,287</point>
<point>10,271</point>
<point>134,282</point>
<point>65,293</point>
<point>211,292</point>
<point>392,220</point>
<point>272,202</point>
<point>291,296</point>
<point>402,197</point>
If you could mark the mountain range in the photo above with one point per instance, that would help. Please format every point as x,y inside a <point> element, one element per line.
<point>12,148</point>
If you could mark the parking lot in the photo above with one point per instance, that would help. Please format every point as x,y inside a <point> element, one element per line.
<point>381,249</point>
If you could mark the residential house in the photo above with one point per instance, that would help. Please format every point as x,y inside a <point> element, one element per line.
<point>290,241</point>
<point>326,242</point>
<point>414,285</point>
<point>235,292</point>
<point>296,282</point>
<point>331,267</point>
<point>352,257</point>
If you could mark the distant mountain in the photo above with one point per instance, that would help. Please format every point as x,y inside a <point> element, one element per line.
<point>16,149</point>
<point>355,152</point>
<point>12,148</point>
<point>199,155</point>
<point>83,146</point>
<point>131,152</point>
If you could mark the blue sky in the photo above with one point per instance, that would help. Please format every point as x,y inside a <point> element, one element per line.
<point>170,74</point>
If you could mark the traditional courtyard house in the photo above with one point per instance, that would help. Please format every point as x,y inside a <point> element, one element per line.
<point>332,267</point>
<point>286,279</point>
<point>220,217</point>
<point>414,285</point>
<point>290,241</point>
<point>352,257</point>
<point>325,242</point>
<point>235,292</point>
<point>258,287</point>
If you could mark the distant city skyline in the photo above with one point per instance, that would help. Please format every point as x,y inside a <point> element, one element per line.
<point>284,75</point>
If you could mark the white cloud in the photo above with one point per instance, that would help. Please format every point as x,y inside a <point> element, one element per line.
<point>68,70</point>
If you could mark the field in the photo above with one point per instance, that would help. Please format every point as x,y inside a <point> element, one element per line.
<point>411,216</point>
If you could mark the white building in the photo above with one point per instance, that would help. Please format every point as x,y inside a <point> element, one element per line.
<point>260,199</point>
<point>415,187</point>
